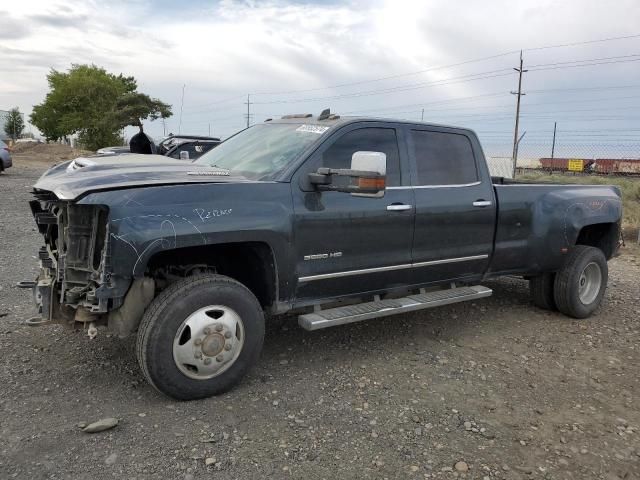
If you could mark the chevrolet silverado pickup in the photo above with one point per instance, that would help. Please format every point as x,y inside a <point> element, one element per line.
<point>333,219</point>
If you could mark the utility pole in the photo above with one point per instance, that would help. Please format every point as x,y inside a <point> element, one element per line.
<point>422,117</point>
<point>519,94</point>
<point>519,140</point>
<point>553,145</point>
<point>181,105</point>
<point>209,128</point>
<point>248,114</point>
<point>164,127</point>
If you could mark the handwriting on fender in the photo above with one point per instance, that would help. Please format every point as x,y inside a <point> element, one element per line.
<point>210,214</point>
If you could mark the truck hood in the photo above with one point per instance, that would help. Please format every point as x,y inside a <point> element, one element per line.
<point>72,179</point>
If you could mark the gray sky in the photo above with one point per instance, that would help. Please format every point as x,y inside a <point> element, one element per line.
<point>224,50</point>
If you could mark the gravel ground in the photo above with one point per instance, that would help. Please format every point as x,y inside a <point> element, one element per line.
<point>489,390</point>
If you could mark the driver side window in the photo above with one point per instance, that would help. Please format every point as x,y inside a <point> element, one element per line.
<point>369,139</point>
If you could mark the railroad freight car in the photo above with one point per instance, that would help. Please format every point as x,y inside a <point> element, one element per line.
<point>618,166</point>
<point>567,164</point>
<point>601,166</point>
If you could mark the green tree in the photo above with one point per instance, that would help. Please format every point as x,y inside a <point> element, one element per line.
<point>95,104</point>
<point>14,123</point>
<point>133,107</point>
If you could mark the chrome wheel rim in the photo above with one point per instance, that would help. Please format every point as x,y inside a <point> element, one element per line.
<point>208,342</point>
<point>589,283</point>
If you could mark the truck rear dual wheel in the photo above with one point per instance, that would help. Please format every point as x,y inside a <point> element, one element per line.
<point>200,336</point>
<point>577,288</point>
<point>581,282</point>
<point>541,290</point>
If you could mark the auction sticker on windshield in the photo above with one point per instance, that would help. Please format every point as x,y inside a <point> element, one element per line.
<point>312,129</point>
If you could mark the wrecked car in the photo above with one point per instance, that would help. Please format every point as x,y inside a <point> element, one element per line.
<point>333,219</point>
<point>183,147</point>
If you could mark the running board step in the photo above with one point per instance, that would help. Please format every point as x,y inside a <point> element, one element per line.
<point>383,308</point>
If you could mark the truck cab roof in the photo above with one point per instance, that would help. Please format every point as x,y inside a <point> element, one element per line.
<point>335,120</point>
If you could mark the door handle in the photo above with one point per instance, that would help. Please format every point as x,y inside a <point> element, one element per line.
<point>398,207</point>
<point>482,203</point>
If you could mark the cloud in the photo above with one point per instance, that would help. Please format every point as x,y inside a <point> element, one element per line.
<point>31,59</point>
<point>56,20</point>
<point>11,28</point>
<point>225,50</point>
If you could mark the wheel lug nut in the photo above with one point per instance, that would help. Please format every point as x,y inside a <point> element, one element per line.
<point>207,331</point>
<point>207,361</point>
<point>198,342</point>
<point>219,328</point>
<point>227,347</point>
<point>219,358</point>
<point>227,334</point>
<point>197,355</point>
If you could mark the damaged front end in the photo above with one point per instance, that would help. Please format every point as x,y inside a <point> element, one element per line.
<point>74,282</point>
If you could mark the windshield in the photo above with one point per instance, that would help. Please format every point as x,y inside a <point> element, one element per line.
<point>262,151</point>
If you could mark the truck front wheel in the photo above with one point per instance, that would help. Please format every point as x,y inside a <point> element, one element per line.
<point>581,282</point>
<point>200,336</point>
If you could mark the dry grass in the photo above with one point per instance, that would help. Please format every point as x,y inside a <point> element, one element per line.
<point>48,153</point>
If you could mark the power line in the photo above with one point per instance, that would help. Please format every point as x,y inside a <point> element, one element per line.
<point>452,65</point>
<point>399,88</point>
<point>584,60</point>
<point>586,42</point>
<point>437,102</point>
<point>531,114</point>
<point>469,77</point>
<point>606,130</point>
<point>490,107</point>
<point>459,79</point>
<point>390,77</point>
<point>205,108</point>
<point>496,94</point>
<point>567,119</point>
<point>217,102</point>
<point>577,89</point>
<point>585,65</point>
<point>217,119</point>
<point>394,109</point>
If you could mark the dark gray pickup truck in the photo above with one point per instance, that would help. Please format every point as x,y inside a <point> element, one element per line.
<point>333,219</point>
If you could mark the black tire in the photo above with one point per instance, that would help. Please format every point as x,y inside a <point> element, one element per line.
<point>568,280</point>
<point>166,314</point>
<point>541,290</point>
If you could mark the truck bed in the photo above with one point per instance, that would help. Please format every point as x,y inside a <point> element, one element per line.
<point>538,222</point>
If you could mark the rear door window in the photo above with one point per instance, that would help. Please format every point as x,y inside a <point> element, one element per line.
<point>443,158</point>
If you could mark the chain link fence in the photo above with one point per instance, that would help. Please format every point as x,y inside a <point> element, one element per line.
<point>614,158</point>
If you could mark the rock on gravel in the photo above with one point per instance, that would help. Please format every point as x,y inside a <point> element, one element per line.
<point>101,425</point>
<point>461,466</point>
